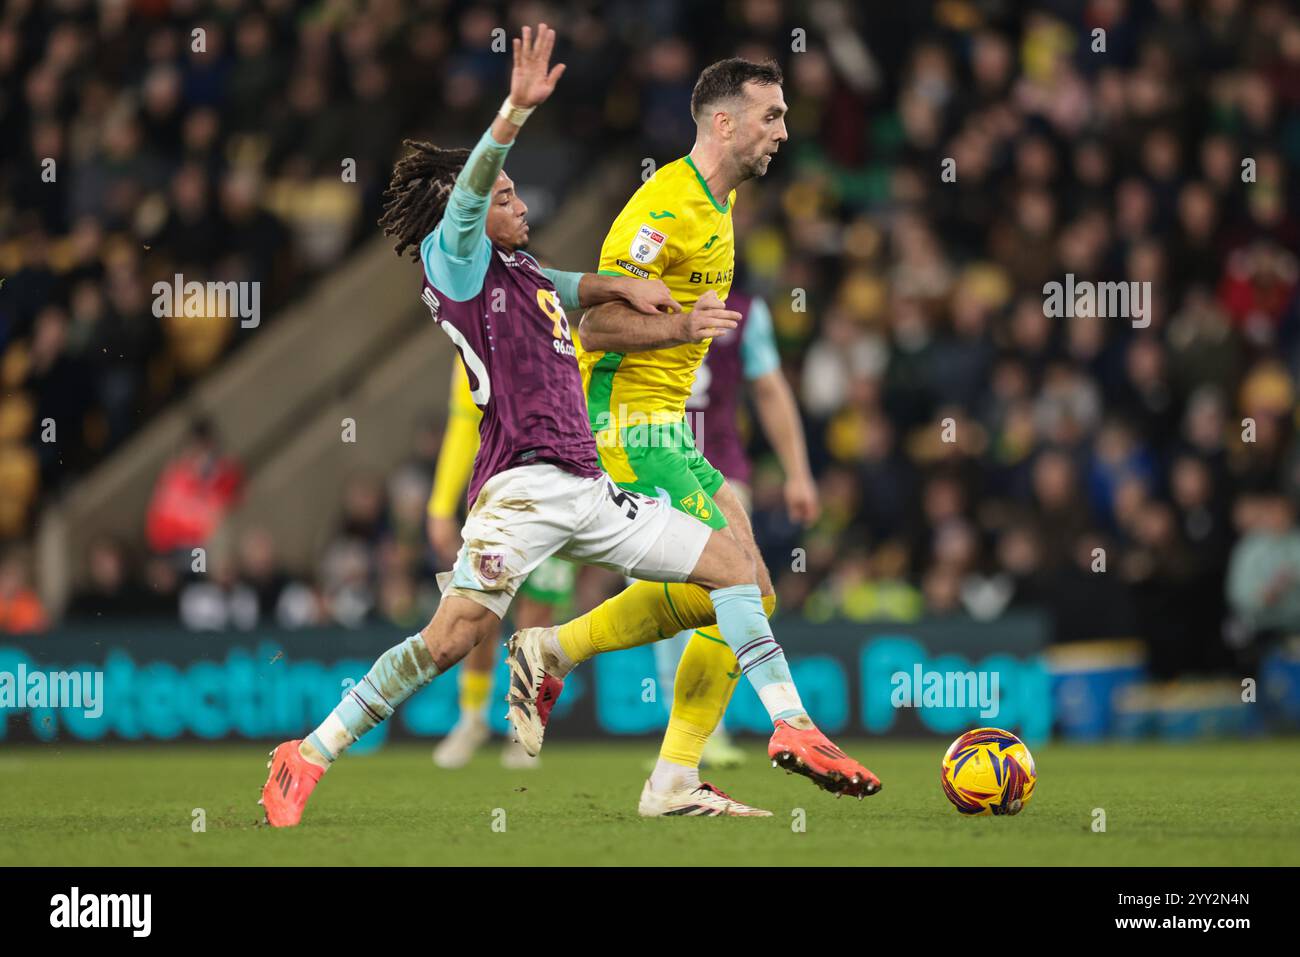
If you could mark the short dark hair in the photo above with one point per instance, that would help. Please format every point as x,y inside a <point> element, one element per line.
<point>727,78</point>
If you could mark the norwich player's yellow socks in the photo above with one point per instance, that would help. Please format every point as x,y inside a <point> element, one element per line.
<point>475,687</point>
<point>706,679</point>
<point>639,614</point>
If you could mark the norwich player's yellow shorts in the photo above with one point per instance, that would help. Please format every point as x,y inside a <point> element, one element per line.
<point>664,456</point>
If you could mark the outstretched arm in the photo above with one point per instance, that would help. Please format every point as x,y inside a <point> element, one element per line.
<point>614,327</point>
<point>579,290</point>
<point>531,81</point>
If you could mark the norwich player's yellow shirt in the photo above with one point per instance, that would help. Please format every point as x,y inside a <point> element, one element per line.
<point>675,230</point>
<point>459,446</point>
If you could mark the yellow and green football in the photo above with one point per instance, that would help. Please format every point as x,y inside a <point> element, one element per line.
<point>988,771</point>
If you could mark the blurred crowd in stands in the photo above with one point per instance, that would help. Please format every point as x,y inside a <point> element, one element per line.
<point>221,141</point>
<point>945,161</point>
<point>374,562</point>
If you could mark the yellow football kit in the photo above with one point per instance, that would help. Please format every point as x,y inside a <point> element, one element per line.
<point>671,229</point>
<point>675,230</point>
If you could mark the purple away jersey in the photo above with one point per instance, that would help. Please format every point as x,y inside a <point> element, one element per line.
<point>514,339</point>
<point>714,402</point>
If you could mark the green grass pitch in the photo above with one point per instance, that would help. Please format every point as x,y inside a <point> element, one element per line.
<point>1190,804</point>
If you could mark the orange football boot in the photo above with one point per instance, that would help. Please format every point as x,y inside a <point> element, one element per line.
<point>287,787</point>
<point>810,753</point>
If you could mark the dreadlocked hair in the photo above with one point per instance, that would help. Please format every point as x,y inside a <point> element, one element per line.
<point>416,196</point>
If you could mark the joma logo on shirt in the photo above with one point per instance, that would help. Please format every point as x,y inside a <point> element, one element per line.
<point>712,278</point>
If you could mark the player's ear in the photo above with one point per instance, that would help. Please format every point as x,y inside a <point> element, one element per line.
<point>722,124</point>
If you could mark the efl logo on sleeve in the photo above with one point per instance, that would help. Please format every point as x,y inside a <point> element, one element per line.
<point>646,244</point>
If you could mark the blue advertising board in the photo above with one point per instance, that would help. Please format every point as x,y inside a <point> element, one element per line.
<point>162,683</point>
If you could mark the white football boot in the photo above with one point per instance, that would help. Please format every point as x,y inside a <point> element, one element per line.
<point>454,751</point>
<point>533,688</point>
<point>703,800</point>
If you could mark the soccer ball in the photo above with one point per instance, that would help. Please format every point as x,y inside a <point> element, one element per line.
<point>988,771</point>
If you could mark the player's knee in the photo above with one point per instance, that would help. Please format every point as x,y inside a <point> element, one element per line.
<point>723,564</point>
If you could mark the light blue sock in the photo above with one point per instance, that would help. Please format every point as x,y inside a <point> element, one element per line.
<point>745,627</point>
<point>396,675</point>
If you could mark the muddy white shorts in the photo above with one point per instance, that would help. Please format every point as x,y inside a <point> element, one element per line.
<point>525,515</point>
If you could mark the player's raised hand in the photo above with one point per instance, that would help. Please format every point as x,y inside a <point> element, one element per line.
<point>649,296</point>
<point>710,319</point>
<point>533,78</point>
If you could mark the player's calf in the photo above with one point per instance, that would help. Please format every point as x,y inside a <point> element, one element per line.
<point>397,674</point>
<point>796,744</point>
<point>742,531</point>
<point>456,628</point>
<point>727,571</point>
